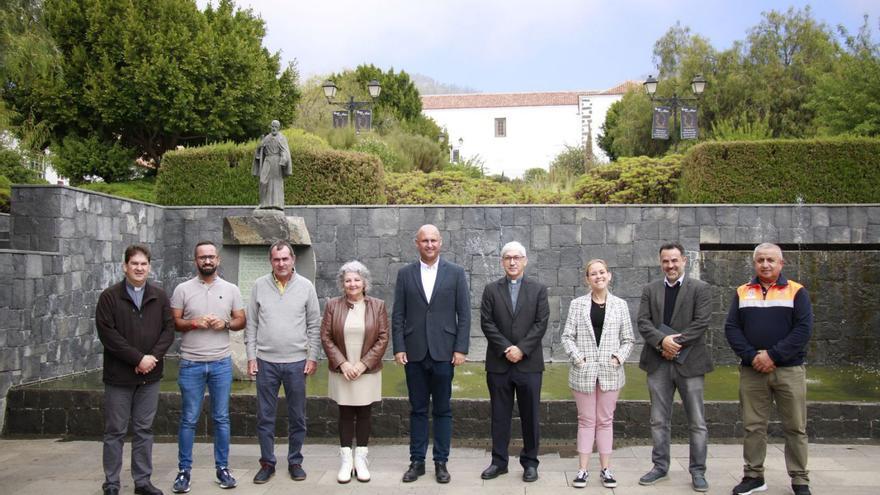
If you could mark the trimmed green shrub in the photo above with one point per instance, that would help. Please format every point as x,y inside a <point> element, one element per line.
<point>631,180</point>
<point>418,152</point>
<point>5,193</point>
<point>140,189</point>
<point>457,188</point>
<point>839,170</point>
<point>220,174</point>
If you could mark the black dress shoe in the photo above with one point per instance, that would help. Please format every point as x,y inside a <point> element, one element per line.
<point>416,469</point>
<point>147,489</point>
<point>493,471</point>
<point>441,473</point>
<point>110,490</point>
<point>530,474</point>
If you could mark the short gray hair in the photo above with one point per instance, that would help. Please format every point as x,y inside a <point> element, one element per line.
<point>767,245</point>
<point>354,267</point>
<point>513,246</point>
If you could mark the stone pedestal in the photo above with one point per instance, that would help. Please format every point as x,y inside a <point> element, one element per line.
<point>246,241</point>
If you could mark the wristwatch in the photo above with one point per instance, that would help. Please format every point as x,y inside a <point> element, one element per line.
<point>226,324</point>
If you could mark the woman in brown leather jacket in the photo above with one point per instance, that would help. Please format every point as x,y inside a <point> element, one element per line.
<point>354,333</point>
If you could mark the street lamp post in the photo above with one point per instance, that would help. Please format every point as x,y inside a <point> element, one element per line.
<point>698,85</point>
<point>351,105</point>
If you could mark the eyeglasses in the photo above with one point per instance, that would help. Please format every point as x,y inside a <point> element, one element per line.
<point>510,259</point>
<point>206,258</point>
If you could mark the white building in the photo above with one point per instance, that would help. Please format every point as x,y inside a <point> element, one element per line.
<point>513,132</point>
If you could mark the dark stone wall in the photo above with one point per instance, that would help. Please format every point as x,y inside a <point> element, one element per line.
<point>68,246</point>
<point>844,289</point>
<point>78,414</point>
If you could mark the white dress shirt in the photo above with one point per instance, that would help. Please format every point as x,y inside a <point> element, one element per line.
<point>429,277</point>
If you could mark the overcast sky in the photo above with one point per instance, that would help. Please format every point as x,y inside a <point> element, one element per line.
<point>513,45</point>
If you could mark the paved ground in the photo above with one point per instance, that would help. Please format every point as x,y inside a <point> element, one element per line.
<point>51,466</point>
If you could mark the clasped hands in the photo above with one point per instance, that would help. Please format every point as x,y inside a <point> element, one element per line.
<point>148,362</point>
<point>670,347</point>
<point>211,321</point>
<point>457,358</point>
<point>763,362</point>
<point>352,372</point>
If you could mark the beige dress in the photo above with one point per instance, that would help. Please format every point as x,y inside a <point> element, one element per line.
<point>368,387</point>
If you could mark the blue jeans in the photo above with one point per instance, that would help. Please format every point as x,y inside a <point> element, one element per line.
<point>192,379</point>
<point>429,380</point>
<point>270,377</point>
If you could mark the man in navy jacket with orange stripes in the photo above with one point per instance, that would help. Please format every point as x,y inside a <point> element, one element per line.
<point>769,327</point>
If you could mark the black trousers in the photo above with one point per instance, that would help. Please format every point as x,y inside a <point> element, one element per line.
<point>527,389</point>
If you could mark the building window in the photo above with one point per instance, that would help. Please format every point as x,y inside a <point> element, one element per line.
<point>501,127</point>
<point>456,155</point>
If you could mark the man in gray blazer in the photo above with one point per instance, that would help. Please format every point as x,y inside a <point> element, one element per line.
<point>514,315</point>
<point>430,326</point>
<point>673,318</point>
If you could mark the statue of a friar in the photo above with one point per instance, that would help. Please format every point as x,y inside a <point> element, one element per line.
<point>272,164</point>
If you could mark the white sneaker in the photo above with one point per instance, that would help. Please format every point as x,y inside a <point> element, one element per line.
<point>361,463</point>
<point>580,480</point>
<point>608,480</point>
<point>345,465</point>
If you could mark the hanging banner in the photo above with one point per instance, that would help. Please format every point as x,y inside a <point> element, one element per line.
<point>340,119</point>
<point>688,122</point>
<point>363,120</point>
<point>660,123</point>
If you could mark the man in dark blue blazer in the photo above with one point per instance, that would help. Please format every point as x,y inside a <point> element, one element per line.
<point>514,315</point>
<point>430,327</point>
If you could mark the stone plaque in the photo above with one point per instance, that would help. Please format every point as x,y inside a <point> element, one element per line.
<point>253,262</point>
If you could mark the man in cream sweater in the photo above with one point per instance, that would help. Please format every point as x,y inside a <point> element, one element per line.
<point>282,339</point>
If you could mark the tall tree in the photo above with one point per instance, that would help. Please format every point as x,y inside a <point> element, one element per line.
<point>847,99</point>
<point>152,74</point>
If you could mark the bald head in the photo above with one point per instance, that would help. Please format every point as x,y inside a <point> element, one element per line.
<point>428,242</point>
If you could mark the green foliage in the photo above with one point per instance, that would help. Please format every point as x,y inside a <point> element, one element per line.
<point>12,168</point>
<point>840,170</point>
<point>84,159</point>
<point>741,129</point>
<point>140,189</point>
<point>372,145</point>
<point>418,152</point>
<point>847,99</point>
<point>570,162</point>
<point>399,97</point>
<point>632,180</point>
<point>456,187</point>
<point>220,174</point>
<point>472,167</point>
<point>156,73</point>
<point>5,193</point>
<point>536,174</point>
<point>789,78</point>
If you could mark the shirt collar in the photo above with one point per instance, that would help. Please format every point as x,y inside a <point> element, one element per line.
<point>132,287</point>
<point>780,282</point>
<point>426,266</point>
<point>679,281</point>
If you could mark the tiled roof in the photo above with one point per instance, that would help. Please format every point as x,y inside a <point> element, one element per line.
<point>491,100</point>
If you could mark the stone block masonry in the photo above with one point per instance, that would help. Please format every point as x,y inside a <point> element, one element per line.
<point>67,246</point>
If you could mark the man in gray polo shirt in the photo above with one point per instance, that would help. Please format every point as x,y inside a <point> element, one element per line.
<point>282,341</point>
<point>205,309</point>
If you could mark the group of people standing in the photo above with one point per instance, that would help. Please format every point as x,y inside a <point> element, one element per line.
<point>768,327</point>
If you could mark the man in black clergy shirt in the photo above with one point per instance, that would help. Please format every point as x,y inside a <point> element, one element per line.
<point>513,317</point>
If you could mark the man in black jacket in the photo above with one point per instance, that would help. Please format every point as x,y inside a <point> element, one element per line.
<point>513,316</point>
<point>135,326</point>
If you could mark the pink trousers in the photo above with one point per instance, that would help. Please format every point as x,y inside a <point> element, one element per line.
<point>595,420</point>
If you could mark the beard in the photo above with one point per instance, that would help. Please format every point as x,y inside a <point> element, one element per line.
<point>207,270</point>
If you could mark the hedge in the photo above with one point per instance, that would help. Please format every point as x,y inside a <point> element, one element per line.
<point>220,174</point>
<point>840,170</point>
<point>631,180</point>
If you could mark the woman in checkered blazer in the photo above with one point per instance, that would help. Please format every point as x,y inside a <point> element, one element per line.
<point>598,338</point>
